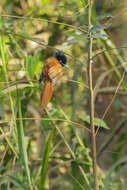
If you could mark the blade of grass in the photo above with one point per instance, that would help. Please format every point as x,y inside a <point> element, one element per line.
<point>8,142</point>
<point>21,142</point>
<point>44,168</point>
<point>4,62</point>
<point>16,182</point>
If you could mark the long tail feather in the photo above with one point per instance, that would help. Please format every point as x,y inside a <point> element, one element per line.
<point>46,95</point>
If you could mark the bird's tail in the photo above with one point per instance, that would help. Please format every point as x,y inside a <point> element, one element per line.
<point>46,95</point>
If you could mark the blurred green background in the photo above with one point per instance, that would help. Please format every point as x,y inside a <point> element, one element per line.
<point>54,151</point>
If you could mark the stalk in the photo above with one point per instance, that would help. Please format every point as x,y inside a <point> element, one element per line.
<point>90,77</point>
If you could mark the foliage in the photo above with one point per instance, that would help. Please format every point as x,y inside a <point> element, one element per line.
<point>54,151</point>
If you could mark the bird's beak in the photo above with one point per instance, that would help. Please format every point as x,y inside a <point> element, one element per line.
<point>66,66</point>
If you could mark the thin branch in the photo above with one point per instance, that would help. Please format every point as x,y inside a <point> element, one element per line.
<point>45,20</point>
<point>90,63</point>
<point>78,125</point>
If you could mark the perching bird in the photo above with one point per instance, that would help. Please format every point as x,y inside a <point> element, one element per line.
<point>51,72</point>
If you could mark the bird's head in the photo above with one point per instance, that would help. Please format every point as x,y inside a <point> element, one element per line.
<point>61,58</point>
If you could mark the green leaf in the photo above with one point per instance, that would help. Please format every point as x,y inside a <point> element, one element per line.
<point>99,27</point>
<point>80,4</point>
<point>73,34</point>
<point>103,16</point>
<point>44,167</point>
<point>98,122</point>
<point>98,35</point>
<point>33,65</point>
<point>21,142</point>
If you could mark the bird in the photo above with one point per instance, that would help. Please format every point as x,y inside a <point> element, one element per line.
<point>51,72</point>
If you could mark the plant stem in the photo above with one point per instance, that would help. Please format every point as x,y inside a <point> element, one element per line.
<point>90,63</point>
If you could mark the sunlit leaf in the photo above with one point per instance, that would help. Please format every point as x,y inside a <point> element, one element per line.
<point>80,4</point>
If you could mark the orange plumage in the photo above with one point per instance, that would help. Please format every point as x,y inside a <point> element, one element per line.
<point>52,70</point>
<point>46,95</point>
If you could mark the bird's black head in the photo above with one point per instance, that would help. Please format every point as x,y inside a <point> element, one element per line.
<point>61,58</point>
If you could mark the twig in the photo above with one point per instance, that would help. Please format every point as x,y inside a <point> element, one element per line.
<point>78,125</point>
<point>90,63</point>
<point>44,20</point>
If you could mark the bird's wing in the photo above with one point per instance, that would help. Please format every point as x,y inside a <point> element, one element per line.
<point>54,73</point>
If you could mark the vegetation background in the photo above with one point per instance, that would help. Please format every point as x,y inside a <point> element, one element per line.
<point>54,151</point>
